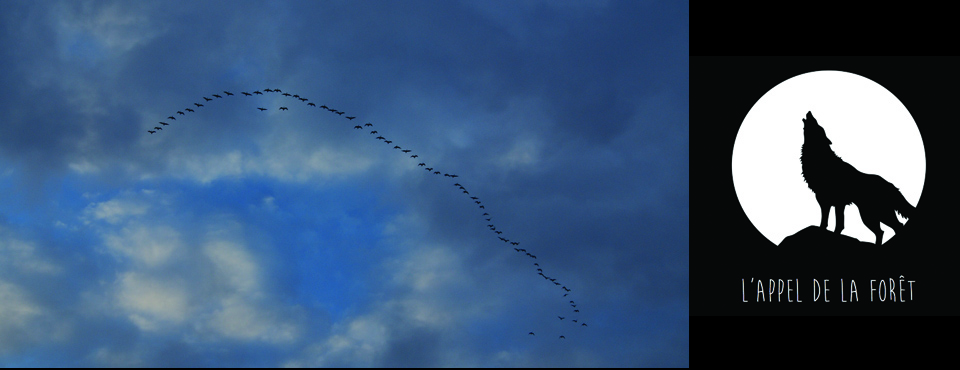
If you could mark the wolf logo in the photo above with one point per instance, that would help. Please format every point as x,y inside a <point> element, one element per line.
<point>836,183</point>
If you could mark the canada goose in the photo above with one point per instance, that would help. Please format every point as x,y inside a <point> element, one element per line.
<point>394,147</point>
<point>388,141</point>
<point>499,232</point>
<point>206,98</point>
<point>311,104</point>
<point>436,172</point>
<point>246,93</point>
<point>158,128</point>
<point>583,324</point>
<point>565,288</point>
<point>164,123</point>
<point>267,90</point>
<point>562,337</point>
<point>324,107</point>
<point>297,96</point>
<point>348,117</point>
<point>574,320</point>
<point>576,310</point>
<point>454,176</point>
<point>286,94</point>
<point>561,317</point>
<point>172,117</point>
<point>374,132</point>
<point>429,168</point>
<point>198,105</point>
<point>189,110</point>
<point>304,99</point>
<point>381,138</point>
<point>514,243</point>
<point>261,109</point>
<point>180,113</point>
<point>531,333</point>
<point>258,92</point>
<point>368,124</point>
<point>358,127</point>
<point>421,164</point>
<point>228,93</point>
<point>474,198</point>
<point>414,156</point>
<point>276,90</point>
<point>406,150</point>
<point>340,113</point>
<point>152,132</point>
<point>283,108</point>
<point>218,96</point>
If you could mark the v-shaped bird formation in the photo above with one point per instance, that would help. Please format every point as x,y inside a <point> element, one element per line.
<point>431,170</point>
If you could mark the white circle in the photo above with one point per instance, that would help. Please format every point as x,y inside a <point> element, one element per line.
<point>869,128</point>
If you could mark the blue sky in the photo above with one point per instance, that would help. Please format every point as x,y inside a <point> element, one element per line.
<point>235,237</point>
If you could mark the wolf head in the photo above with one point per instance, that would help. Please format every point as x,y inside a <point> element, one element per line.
<point>813,134</point>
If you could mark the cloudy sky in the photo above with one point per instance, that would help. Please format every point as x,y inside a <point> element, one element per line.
<point>240,237</point>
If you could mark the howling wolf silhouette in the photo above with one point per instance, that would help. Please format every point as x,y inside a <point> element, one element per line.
<point>836,183</point>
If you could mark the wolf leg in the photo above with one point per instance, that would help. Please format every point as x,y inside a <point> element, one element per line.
<point>824,212</point>
<point>839,210</point>
<point>871,219</point>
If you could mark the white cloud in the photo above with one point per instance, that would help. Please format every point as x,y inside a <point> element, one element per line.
<point>115,210</point>
<point>150,245</point>
<point>153,303</point>
<point>20,256</point>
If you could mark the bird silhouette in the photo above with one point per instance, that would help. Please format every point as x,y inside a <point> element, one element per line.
<point>283,108</point>
<point>228,93</point>
<point>576,310</point>
<point>358,127</point>
<point>164,123</point>
<point>261,109</point>
<point>304,99</point>
<point>152,132</point>
<point>373,132</point>
<point>180,113</point>
<point>368,124</point>
<point>311,104</point>
<point>381,138</point>
<point>429,168</point>
<point>406,150</point>
<point>267,90</point>
<point>531,333</point>
<point>218,96</point>
<point>394,147</point>
<point>198,105</point>
<point>340,113</point>
<point>348,117</point>
<point>258,92</point>
<point>324,107</point>
<point>388,141</point>
<point>189,110</point>
<point>206,98</point>
<point>296,96</point>
<point>436,172</point>
<point>574,320</point>
<point>414,156</point>
<point>246,93</point>
<point>421,164</point>
<point>172,117</point>
<point>286,94</point>
<point>561,317</point>
<point>158,128</point>
<point>562,337</point>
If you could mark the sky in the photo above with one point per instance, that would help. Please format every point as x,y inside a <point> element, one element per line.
<point>288,238</point>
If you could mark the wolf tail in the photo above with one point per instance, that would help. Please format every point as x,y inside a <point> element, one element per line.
<point>901,205</point>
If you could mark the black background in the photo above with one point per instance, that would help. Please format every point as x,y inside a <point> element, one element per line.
<point>726,247</point>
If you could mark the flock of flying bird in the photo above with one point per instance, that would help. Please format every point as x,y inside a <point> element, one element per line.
<point>431,170</point>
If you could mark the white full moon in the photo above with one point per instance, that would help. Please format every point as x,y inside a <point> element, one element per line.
<point>869,128</point>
